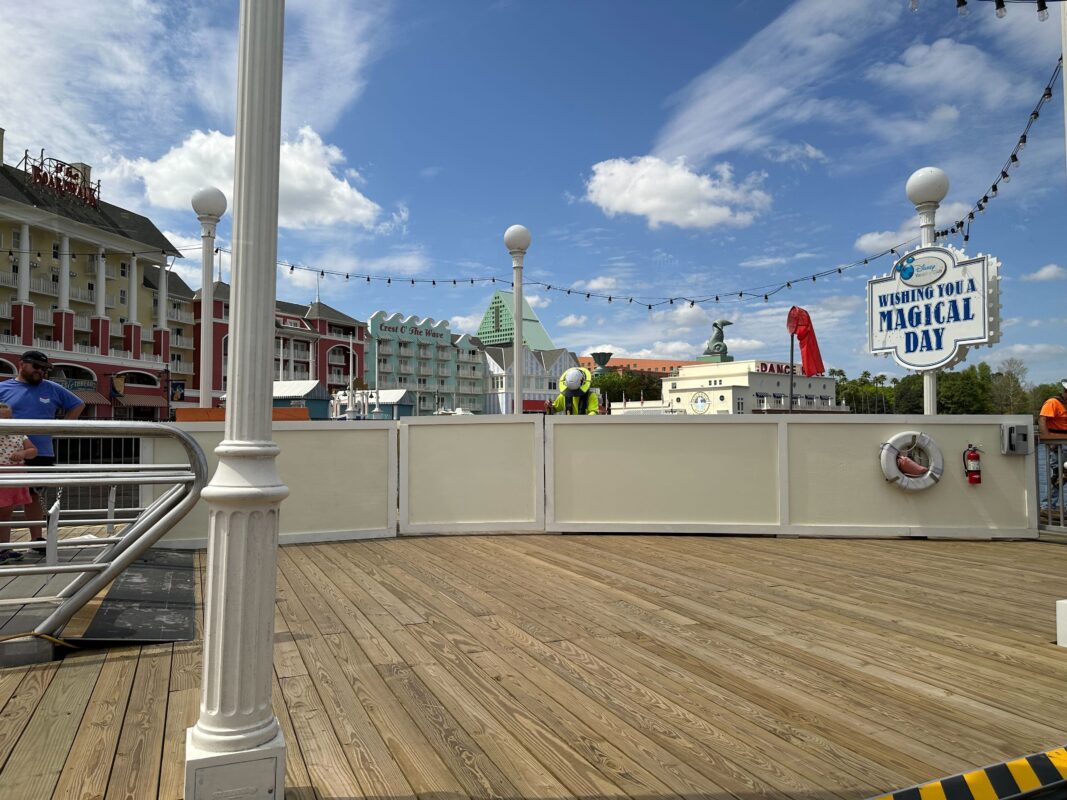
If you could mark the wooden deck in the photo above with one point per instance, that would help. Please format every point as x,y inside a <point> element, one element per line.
<point>593,666</point>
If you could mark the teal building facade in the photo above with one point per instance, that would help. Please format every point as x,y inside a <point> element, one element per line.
<point>441,370</point>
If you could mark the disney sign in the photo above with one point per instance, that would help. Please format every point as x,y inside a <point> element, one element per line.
<point>932,307</point>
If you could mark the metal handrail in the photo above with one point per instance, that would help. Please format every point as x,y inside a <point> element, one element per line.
<point>186,482</point>
<point>1051,482</point>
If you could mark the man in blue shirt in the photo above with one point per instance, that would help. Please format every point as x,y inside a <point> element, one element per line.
<point>32,397</point>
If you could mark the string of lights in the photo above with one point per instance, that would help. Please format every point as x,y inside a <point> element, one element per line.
<point>1001,9</point>
<point>764,292</point>
<point>964,225</point>
<point>13,252</point>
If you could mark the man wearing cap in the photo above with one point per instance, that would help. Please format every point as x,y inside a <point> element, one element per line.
<point>31,396</point>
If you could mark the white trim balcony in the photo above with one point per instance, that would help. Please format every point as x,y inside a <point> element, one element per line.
<point>180,316</point>
<point>185,342</point>
<point>46,344</point>
<point>81,322</point>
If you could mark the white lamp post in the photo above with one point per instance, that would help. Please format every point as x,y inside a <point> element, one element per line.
<point>517,241</point>
<point>209,204</point>
<point>926,188</point>
<point>236,748</point>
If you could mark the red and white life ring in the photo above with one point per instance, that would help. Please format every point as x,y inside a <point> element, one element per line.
<point>900,468</point>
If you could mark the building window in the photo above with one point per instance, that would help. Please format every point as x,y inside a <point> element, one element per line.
<point>123,269</point>
<point>674,385</point>
<point>122,297</point>
<point>722,398</point>
<point>740,405</point>
<point>178,332</point>
<point>90,286</point>
<point>55,249</point>
<point>16,240</point>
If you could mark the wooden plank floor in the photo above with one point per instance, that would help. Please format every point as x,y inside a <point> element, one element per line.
<point>592,666</point>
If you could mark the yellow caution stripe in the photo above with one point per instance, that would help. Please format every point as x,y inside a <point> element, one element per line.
<point>1008,780</point>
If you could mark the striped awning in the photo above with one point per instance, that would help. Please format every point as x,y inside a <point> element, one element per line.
<point>92,398</point>
<point>141,401</point>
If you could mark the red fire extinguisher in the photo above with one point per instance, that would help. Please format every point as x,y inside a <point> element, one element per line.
<point>972,464</point>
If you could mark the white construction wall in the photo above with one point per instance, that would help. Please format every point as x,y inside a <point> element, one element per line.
<point>813,475</point>
<point>341,478</point>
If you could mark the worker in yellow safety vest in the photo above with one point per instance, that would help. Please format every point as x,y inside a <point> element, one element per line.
<point>575,394</point>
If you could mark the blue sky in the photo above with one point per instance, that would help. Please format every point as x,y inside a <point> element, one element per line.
<point>653,149</point>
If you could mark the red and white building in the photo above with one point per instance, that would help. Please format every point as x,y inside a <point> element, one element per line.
<point>311,342</point>
<point>80,280</point>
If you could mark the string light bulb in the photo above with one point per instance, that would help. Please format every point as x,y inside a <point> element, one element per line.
<point>993,190</point>
<point>1014,159</point>
<point>1001,9</point>
<point>1004,176</point>
<point>914,5</point>
<point>961,8</point>
<point>1042,10</point>
<point>1022,143</point>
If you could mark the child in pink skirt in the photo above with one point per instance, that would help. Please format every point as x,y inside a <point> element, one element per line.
<point>14,449</point>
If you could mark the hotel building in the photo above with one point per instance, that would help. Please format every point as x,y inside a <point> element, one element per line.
<point>85,282</point>
<point>311,342</point>
<point>442,371</point>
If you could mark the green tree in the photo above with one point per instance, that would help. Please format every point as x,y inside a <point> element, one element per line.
<point>1011,393</point>
<point>908,394</point>
<point>633,385</point>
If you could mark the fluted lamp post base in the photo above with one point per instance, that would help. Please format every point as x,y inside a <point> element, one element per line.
<point>255,773</point>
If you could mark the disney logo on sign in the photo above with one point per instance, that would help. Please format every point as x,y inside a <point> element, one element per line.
<point>924,267</point>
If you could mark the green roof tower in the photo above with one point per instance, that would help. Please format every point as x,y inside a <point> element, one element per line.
<point>498,324</point>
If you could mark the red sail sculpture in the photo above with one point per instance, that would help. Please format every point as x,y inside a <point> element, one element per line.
<point>799,323</point>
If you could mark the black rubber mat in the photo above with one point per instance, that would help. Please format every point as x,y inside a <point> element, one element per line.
<point>152,601</point>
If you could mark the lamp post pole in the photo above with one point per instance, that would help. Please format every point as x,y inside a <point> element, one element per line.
<point>209,204</point>
<point>926,188</point>
<point>236,747</point>
<point>517,241</point>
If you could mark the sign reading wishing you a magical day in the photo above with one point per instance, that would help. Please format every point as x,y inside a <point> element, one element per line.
<point>934,305</point>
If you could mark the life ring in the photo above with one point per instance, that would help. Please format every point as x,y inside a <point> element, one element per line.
<point>900,469</point>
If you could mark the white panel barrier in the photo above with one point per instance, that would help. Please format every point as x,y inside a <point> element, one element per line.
<point>782,474</point>
<point>472,474</point>
<point>342,479</point>
<point>803,474</point>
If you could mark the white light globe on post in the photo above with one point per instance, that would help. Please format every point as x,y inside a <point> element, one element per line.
<point>209,204</point>
<point>517,240</point>
<point>926,188</point>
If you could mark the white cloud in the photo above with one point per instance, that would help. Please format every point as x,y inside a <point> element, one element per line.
<point>683,317</point>
<point>537,301</point>
<point>929,69</point>
<point>466,323</point>
<point>429,172</point>
<point>764,261</point>
<point>798,154</point>
<point>572,321</point>
<point>744,100</point>
<point>1049,272</point>
<point>601,283</point>
<point>877,241</point>
<point>310,192</point>
<point>671,193</point>
<point>111,74</point>
<point>1026,352</point>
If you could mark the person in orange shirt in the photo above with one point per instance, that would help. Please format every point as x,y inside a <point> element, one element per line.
<point>1052,421</point>
<point>1052,427</point>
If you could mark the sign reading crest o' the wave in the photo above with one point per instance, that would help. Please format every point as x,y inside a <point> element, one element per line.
<point>934,305</point>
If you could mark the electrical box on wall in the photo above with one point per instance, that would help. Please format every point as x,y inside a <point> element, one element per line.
<point>1016,440</point>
